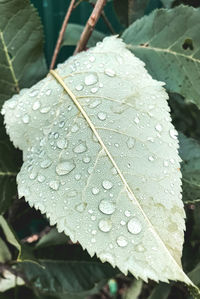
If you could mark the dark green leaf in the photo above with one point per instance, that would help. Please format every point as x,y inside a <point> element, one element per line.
<point>167,3</point>
<point>53,238</point>
<point>168,42</point>
<point>134,291</point>
<point>4,252</point>
<point>22,61</point>
<point>161,291</point>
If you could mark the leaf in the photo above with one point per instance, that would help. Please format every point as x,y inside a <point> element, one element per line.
<point>100,159</point>
<point>53,238</point>
<point>73,33</point>
<point>134,291</point>
<point>168,42</point>
<point>4,252</point>
<point>167,3</point>
<point>129,10</point>
<point>22,60</point>
<point>190,154</point>
<point>67,278</point>
<point>161,291</point>
<point>9,281</point>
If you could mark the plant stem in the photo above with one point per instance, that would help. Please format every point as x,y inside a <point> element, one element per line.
<point>106,21</point>
<point>62,31</point>
<point>90,26</point>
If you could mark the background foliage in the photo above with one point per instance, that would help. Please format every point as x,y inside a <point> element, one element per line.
<point>27,243</point>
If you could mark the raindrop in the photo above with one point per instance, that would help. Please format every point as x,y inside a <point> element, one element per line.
<point>93,217</point>
<point>105,225</point>
<point>107,185</point>
<point>122,222</point>
<point>91,79</point>
<point>80,207</point>
<point>173,133</point>
<point>151,158</point>
<point>65,167</point>
<point>94,89</point>
<point>107,206</point>
<point>33,93</point>
<point>32,175</point>
<point>127,213</point>
<point>121,241</point>
<point>25,119</point>
<point>46,163</point>
<point>77,177</point>
<point>93,240</point>
<point>41,178</point>
<point>158,128</point>
<point>110,72</point>
<point>134,226</point>
<point>95,190</point>
<point>172,161</point>
<point>80,148</point>
<point>136,120</point>
<point>101,115</point>
<point>45,109</point>
<point>86,160</point>
<point>130,142</point>
<point>54,185</point>
<point>36,105</point>
<point>61,124</point>
<point>62,143</point>
<point>79,87</point>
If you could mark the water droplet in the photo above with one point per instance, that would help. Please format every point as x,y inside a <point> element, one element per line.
<point>94,104</point>
<point>105,225</point>
<point>130,142</point>
<point>93,240</point>
<point>65,167</point>
<point>36,105</point>
<point>80,148</point>
<point>158,128</point>
<point>81,207</point>
<point>136,120</point>
<point>93,217</point>
<point>45,163</point>
<point>62,143</point>
<point>140,248</point>
<point>151,158</point>
<point>107,206</point>
<point>102,115</point>
<point>173,133</point>
<point>107,185</point>
<point>92,59</point>
<point>33,93</point>
<point>91,79</point>
<point>127,213</point>
<point>110,72</point>
<point>54,185</point>
<point>86,160</point>
<point>74,129</point>
<point>48,92</point>
<point>25,119</point>
<point>94,89</point>
<point>41,178</point>
<point>94,232</point>
<point>121,241</point>
<point>122,222</point>
<point>166,163</point>
<point>79,87</point>
<point>95,191</point>
<point>45,109</point>
<point>32,175</point>
<point>172,161</point>
<point>77,177</point>
<point>134,226</point>
<point>61,124</point>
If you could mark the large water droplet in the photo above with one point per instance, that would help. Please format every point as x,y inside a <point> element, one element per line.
<point>109,72</point>
<point>158,128</point>
<point>54,185</point>
<point>107,206</point>
<point>105,225</point>
<point>134,226</point>
<point>130,142</point>
<point>91,79</point>
<point>121,241</point>
<point>107,185</point>
<point>173,133</point>
<point>102,115</point>
<point>62,143</point>
<point>46,163</point>
<point>80,148</point>
<point>65,167</point>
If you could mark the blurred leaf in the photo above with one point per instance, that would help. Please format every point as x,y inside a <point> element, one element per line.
<point>4,252</point>
<point>195,275</point>
<point>129,10</point>
<point>161,291</point>
<point>168,42</point>
<point>73,33</point>
<point>167,3</point>
<point>134,291</point>
<point>190,167</point>
<point>67,278</point>
<point>22,60</point>
<point>9,281</point>
<point>53,238</point>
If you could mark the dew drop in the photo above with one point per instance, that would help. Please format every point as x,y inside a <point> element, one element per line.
<point>166,163</point>
<point>105,225</point>
<point>74,129</point>
<point>107,206</point>
<point>127,213</point>
<point>86,160</point>
<point>46,163</point>
<point>36,105</point>
<point>45,109</point>
<point>62,143</point>
<point>91,79</point>
<point>25,119</point>
<point>102,115</point>
<point>41,178</point>
<point>54,185</point>
<point>94,104</point>
<point>121,241</point>
<point>80,148</point>
<point>48,92</point>
<point>158,128</point>
<point>33,93</point>
<point>151,158</point>
<point>65,167</point>
<point>173,133</point>
<point>134,226</point>
<point>94,89</point>
<point>136,120</point>
<point>80,207</point>
<point>94,232</point>
<point>79,87</point>
<point>92,59</point>
<point>32,175</point>
<point>107,185</point>
<point>77,177</point>
<point>130,142</point>
<point>93,240</point>
<point>110,72</point>
<point>122,222</point>
<point>95,191</point>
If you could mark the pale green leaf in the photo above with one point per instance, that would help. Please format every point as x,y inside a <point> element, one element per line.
<point>73,33</point>
<point>190,167</point>
<point>9,281</point>
<point>101,160</point>
<point>168,42</point>
<point>22,60</point>
<point>53,238</point>
<point>4,252</point>
<point>134,291</point>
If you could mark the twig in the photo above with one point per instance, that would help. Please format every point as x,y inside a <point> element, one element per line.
<point>90,26</point>
<point>77,4</point>
<point>106,21</point>
<point>62,31</point>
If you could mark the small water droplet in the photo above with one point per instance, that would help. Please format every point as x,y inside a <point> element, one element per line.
<point>91,79</point>
<point>62,143</point>
<point>48,92</point>
<point>54,185</point>
<point>34,93</point>
<point>93,217</point>
<point>127,213</point>
<point>80,148</point>
<point>136,120</point>
<point>79,87</point>
<point>173,133</point>
<point>74,129</point>
<point>121,241</point>
<point>102,115</point>
<point>166,163</point>
<point>122,222</point>
<point>94,104</point>
<point>134,226</point>
<point>77,177</point>
<point>80,207</point>
<point>41,178</point>
<point>45,109</point>
<point>130,142</point>
<point>26,119</point>
<point>92,59</point>
<point>172,161</point>
<point>158,128</point>
<point>107,185</point>
<point>94,89</point>
<point>109,72</point>
<point>105,225</point>
<point>86,160</point>
<point>140,248</point>
<point>94,232</point>
<point>36,105</point>
<point>95,190</point>
<point>46,163</point>
<point>61,124</point>
<point>107,206</point>
<point>32,175</point>
<point>65,167</point>
<point>151,158</point>
<point>93,240</point>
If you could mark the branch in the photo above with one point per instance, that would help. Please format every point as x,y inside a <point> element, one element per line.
<point>106,21</point>
<point>90,26</point>
<point>62,31</point>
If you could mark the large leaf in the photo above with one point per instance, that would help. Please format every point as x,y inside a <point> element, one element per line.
<point>190,154</point>
<point>21,47</point>
<point>4,252</point>
<point>101,160</point>
<point>67,278</point>
<point>168,42</point>
<point>73,33</point>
